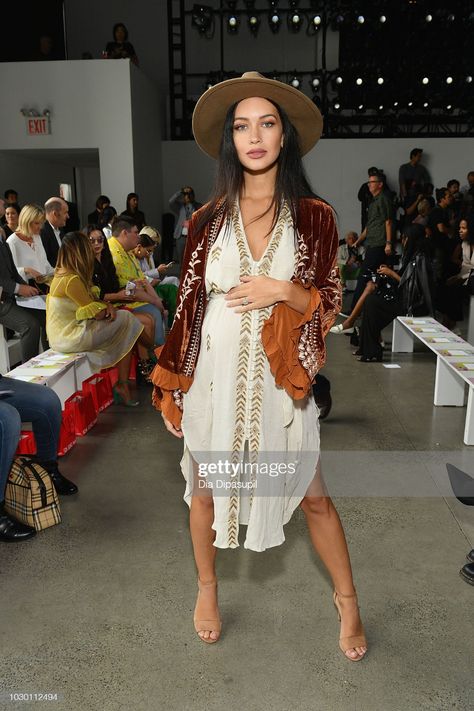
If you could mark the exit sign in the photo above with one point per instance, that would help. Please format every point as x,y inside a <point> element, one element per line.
<point>38,126</point>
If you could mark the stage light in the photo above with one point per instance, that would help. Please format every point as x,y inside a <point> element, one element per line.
<point>449,108</point>
<point>274,20</point>
<point>315,83</point>
<point>295,82</point>
<point>295,20</point>
<point>449,80</point>
<point>469,79</point>
<point>253,22</point>
<point>360,109</point>
<point>383,19</point>
<point>339,79</point>
<point>316,21</point>
<point>395,104</point>
<point>380,108</point>
<point>232,24</point>
<point>425,80</point>
<point>425,105</point>
<point>451,18</point>
<point>361,19</point>
<point>380,81</point>
<point>336,105</point>
<point>429,18</point>
<point>339,19</point>
<point>359,81</point>
<point>202,18</point>
<point>410,106</point>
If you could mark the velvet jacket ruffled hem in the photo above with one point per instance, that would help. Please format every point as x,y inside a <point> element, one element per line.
<point>293,342</point>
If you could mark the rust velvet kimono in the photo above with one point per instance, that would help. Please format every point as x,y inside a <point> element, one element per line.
<point>293,342</point>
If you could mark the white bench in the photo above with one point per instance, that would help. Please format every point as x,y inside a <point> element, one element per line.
<point>454,362</point>
<point>10,351</point>
<point>63,373</point>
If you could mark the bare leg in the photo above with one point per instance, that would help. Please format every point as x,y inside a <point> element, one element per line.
<point>201,518</point>
<point>357,310</point>
<point>329,541</point>
<point>123,367</point>
<point>146,338</point>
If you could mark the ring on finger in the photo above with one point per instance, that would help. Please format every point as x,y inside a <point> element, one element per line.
<point>245,302</point>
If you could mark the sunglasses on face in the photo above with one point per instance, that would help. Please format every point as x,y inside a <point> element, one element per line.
<point>96,240</point>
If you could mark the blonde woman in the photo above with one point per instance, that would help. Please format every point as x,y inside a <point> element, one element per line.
<point>26,246</point>
<point>78,322</point>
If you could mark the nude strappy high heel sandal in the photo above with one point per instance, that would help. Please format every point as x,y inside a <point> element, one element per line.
<point>212,625</point>
<point>347,643</point>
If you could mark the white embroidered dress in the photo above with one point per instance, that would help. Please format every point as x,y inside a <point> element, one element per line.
<point>235,414</point>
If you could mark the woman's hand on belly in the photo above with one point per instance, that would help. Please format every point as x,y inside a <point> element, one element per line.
<point>255,292</point>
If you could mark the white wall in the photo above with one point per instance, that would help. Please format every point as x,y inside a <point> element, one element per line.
<point>91,107</point>
<point>336,167</point>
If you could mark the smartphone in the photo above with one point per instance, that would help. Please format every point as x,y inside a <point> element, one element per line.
<point>170,264</point>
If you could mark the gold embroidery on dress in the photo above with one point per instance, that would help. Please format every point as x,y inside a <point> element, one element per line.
<point>242,392</point>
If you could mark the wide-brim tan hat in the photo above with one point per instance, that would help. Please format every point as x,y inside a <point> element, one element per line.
<point>211,109</point>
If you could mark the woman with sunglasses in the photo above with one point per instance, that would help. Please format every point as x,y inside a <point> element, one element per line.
<point>105,277</point>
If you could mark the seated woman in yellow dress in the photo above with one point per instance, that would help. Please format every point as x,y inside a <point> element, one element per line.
<point>77,322</point>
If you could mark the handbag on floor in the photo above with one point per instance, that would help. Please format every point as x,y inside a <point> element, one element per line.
<point>30,496</point>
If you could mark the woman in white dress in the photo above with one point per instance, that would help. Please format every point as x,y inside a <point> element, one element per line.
<point>259,291</point>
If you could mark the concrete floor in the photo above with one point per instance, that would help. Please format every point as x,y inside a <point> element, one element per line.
<point>99,609</point>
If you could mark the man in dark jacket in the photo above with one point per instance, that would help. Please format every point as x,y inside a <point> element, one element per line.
<point>52,232</point>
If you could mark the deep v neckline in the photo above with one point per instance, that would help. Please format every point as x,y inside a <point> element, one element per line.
<point>244,234</point>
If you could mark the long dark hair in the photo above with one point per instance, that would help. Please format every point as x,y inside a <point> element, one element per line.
<point>417,243</point>
<point>291,182</point>
<point>128,209</point>
<point>104,275</point>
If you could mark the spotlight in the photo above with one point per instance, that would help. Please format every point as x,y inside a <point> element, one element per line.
<point>339,79</point>
<point>315,82</point>
<point>395,104</point>
<point>274,19</point>
<point>425,105</point>
<point>295,20</point>
<point>202,18</point>
<point>410,106</point>
<point>253,22</point>
<point>382,19</point>
<point>449,108</point>
<point>359,81</point>
<point>468,79</point>
<point>380,81</point>
<point>360,109</point>
<point>316,21</point>
<point>295,82</point>
<point>232,24</point>
<point>425,80</point>
<point>336,105</point>
<point>451,17</point>
<point>380,108</point>
<point>449,80</point>
<point>429,18</point>
<point>361,19</point>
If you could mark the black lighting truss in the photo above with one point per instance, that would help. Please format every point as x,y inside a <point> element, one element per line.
<point>405,66</point>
